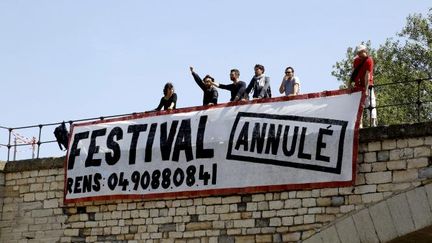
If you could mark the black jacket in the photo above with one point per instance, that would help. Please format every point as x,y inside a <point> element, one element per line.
<point>210,95</point>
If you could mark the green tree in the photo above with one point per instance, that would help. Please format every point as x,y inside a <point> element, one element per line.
<point>399,62</point>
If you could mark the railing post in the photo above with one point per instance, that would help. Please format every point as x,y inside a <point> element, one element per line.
<point>39,140</point>
<point>9,143</point>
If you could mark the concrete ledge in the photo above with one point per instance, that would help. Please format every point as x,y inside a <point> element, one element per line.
<point>395,131</point>
<point>34,164</point>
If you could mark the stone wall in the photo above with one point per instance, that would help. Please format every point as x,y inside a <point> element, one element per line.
<point>391,160</point>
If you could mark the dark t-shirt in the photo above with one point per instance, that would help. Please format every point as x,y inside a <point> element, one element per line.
<point>210,95</point>
<point>237,90</point>
<point>165,103</point>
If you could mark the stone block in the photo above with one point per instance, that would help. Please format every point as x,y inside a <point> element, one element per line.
<point>405,176</point>
<point>276,205</point>
<point>290,237</point>
<point>379,166</point>
<point>275,222</point>
<point>347,231</point>
<point>383,221</point>
<point>401,215</point>
<point>365,189</point>
<point>337,201</point>
<point>398,154</point>
<point>419,205</point>
<point>383,155</point>
<point>388,144</point>
<point>423,151</point>
<point>293,203</point>
<point>396,165</point>
<point>378,177</point>
<point>329,192</point>
<point>374,146</point>
<point>372,197</point>
<point>308,202</point>
<point>370,157</point>
<point>365,227</point>
<point>245,223</point>
<point>323,201</point>
<point>418,162</point>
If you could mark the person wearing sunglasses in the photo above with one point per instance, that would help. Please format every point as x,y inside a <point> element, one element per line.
<point>290,84</point>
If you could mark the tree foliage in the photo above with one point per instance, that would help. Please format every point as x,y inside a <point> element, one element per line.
<point>401,65</point>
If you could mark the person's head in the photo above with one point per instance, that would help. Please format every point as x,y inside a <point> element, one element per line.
<point>259,69</point>
<point>361,51</point>
<point>289,71</point>
<point>208,81</point>
<point>168,89</point>
<point>234,75</point>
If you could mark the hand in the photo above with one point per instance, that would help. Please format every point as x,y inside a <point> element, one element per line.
<point>191,69</point>
<point>210,104</point>
<point>285,77</point>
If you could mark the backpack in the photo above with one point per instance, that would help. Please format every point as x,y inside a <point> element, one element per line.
<point>62,136</point>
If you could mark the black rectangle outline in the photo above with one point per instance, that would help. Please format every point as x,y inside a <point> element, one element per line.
<point>335,170</point>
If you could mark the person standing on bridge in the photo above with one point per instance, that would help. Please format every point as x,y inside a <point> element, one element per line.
<point>260,84</point>
<point>169,100</point>
<point>237,87</point>
<point>290,83</point>
<point>210,93</point>
<point>363,78</point>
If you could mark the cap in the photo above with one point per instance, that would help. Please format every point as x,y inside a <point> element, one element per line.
<point>361,48</point>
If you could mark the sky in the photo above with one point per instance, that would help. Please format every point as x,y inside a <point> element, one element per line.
<point>67,60</point>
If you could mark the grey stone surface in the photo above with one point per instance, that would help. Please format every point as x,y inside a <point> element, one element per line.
<point>314,239</point>
<point>330,235</point>
<point>383,155</point>
<point>337,201</point>
<point>425,173</point>
<point>2,178</point>
<point>401,215</point>
<point>365,227</point>
<point>34,164</point>
<point>428,189</point>
<point>395,131</point>
<point>420,209</point>
<point>347,231</point>
<point>383,222</point>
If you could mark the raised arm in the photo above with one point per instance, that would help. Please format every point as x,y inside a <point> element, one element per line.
<point>197,79</point>
<point>282,86</point>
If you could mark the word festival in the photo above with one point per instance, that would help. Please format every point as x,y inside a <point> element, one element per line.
<point>223,149</point>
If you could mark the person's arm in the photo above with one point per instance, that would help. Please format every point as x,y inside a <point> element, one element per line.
<point>241,91</point>
<point>225,86</point>
<point>249,88</point>
<point>296,86</point>
<point>295,89</point>
<point>174,101</point>
<point>214,97</point>
<point>160,105</point>
<point>282,86</point>
<point>264,89</point>
<point>197,79</point>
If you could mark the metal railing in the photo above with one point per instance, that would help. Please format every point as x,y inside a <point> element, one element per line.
<point>407,101</point>
<point>417,96</point>
<point>16,140</point>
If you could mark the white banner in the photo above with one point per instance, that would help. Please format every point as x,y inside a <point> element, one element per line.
<point>307,141</point>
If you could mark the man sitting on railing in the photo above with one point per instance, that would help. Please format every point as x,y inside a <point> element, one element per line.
<point>363,77</point>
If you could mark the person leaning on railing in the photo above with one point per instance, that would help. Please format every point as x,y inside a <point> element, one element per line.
<point>169,100</point>
<point>362,77</point>
<point>237,87</point>
<point>260,84</point>
<point>290,83</point>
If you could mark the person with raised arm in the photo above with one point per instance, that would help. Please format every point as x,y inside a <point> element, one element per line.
<point>210,96</point>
